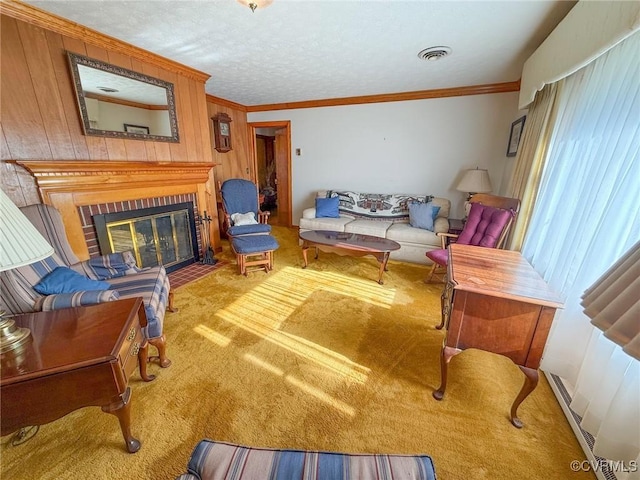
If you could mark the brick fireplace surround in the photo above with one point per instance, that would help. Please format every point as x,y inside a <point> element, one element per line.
<point>88,211</point>
<point>79,189</point>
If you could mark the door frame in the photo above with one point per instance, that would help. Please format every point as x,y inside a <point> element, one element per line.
<point>278,124</point>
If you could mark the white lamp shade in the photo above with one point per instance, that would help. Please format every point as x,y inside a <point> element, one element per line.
<point>20,242</point>
<point>475,181</point>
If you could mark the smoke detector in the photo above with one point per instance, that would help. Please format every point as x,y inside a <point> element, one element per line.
<point>432,54</point>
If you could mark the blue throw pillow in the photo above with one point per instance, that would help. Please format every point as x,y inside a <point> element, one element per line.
<point>65,280</point>
<point>422,215</point>
<point>327,207</point>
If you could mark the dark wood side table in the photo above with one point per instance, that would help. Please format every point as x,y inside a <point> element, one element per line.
<point>495,301</point>
<point>76,357</point>
<point>456,225</point>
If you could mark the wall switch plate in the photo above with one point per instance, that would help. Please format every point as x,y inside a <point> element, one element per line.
<point>297,151</point>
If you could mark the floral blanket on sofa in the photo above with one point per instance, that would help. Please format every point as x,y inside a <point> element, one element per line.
<point>377,206</point>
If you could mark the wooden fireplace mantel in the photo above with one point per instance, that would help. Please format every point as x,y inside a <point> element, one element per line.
<point>68,185</point>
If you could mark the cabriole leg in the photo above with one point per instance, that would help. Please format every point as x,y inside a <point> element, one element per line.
<point>530,383</point>
<point>445,357</point>
<point>122,409</point>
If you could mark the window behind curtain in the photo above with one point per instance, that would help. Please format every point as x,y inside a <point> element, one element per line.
<point>587,215</point>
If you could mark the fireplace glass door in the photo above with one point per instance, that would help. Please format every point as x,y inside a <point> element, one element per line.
<point>162,239</point>
<point>161,235</point>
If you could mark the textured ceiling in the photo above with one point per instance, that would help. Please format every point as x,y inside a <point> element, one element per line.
<point>307,50</point>
<point>94,80</point>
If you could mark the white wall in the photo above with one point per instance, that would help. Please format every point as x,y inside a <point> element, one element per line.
<point>159,123</point>
<point>418,146</point>
<point>113,116</point>
<point>510,163</point>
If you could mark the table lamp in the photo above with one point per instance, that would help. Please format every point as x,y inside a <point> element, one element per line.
<point>20,244</point>
<point>474,181</point>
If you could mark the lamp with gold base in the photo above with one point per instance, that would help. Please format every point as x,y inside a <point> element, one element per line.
<point>12,337</point>
<point>20,244</point>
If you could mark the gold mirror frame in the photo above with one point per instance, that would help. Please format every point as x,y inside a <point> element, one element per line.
<point>76,59</point>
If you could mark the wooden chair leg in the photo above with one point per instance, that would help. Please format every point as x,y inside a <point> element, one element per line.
<point>161,345</point>
<point>143,359</point>
<point>435,271</point>
<point>260,260</point>
<point>431,272</point>
<point>170,306</point>
<point>240,260</point>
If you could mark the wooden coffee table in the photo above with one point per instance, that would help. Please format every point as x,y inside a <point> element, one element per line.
<point>352,244</point>
<point>75,357</point>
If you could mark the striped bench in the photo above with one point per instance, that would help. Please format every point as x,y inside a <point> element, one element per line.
<point>225,461</point>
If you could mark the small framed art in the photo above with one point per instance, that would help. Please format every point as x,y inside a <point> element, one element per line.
<point>514,136</point>
<point>136,129</point>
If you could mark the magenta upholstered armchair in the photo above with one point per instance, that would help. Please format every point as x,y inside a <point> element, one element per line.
<point>487,226</point>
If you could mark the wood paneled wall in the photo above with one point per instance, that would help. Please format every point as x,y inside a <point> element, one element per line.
<point>39,116</point>
<point>236,163</point>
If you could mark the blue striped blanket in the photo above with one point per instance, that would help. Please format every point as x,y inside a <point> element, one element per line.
<point>225,461</point>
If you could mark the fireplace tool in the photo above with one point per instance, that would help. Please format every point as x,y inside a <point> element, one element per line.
<point>207,257</point>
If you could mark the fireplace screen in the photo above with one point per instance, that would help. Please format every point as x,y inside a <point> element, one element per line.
<point>155,237</point>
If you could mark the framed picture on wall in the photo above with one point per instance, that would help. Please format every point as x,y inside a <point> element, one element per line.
<point>136,129</point>
<point>514,136</point>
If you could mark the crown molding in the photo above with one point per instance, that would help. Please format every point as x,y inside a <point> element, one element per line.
<point>226,103</point>
<point>35,16</point>
<point>40,18</point>
<point>393,97</point>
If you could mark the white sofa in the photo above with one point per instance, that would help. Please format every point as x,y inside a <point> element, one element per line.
<point>382,215</point>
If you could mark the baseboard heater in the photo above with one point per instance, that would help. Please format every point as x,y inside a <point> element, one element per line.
<point>585,439</point>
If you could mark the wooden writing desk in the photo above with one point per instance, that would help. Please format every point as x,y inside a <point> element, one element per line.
<point>495,301</point>
<point>76,357</point>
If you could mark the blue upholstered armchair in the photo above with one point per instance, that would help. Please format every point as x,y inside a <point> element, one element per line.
<point>19,286</point>
<point>241,209</point>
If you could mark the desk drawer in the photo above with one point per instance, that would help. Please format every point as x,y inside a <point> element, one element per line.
<point>128,355</point>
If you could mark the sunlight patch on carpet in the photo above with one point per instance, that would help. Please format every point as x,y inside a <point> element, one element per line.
<point>321,395</point>
<point>264,309</point>
<point>212,335</point>
<point>367,291</point>
<point>300,346</point>
<point>302,385</point>
<point>262,364</point>
<point>273,301</point>
<point>292,286</point>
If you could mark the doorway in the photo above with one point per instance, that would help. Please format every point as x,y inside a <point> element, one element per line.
<point>271,152</point>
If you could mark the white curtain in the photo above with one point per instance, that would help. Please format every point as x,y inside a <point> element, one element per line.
<point>586,216</point>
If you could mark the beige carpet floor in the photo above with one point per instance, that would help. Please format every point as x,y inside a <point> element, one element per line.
<point>317,358</point>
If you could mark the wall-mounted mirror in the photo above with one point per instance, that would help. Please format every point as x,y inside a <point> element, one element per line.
<point>116,102</point>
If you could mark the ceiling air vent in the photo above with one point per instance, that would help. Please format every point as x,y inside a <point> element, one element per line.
<point>434,53</point>
<point>107,89</point>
